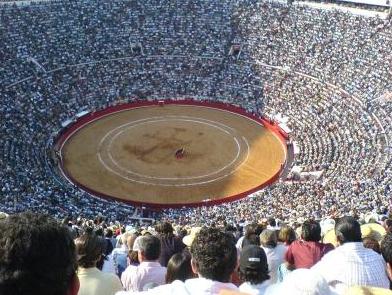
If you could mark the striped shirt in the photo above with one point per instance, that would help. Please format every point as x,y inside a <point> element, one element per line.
<point>353,264</point>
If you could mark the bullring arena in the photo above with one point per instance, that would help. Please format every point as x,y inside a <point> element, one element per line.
<point>323,71</point>
<point>132,152</point>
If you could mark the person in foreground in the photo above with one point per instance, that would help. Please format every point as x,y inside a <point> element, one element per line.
<point>37,256</point>
<point>214,258</point>
<point>386,251</point>
<point>307,251</point>
<point>89,248</point>
<point>351,263</point>
<point>253,270</point>
<point>149,271</point>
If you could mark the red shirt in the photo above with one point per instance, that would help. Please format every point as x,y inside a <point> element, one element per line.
<point>303,254</point>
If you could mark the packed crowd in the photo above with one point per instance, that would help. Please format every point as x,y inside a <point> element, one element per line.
<point>93,257</point>
<point>328,71</point>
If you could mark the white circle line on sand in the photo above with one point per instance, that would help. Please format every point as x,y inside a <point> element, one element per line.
<point>183,105</point>
<point>160,117</point>
<point>120,167</point>
<point>180,184</point>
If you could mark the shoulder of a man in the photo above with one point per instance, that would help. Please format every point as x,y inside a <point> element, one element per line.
<point>113,280</point>
<point>176,287</point>
<point>295,246</point>
<point>332,257</point>
<point>130,269</point>
<point>126,276</point>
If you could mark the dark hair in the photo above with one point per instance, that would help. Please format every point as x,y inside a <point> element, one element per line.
<point>37,255</point>
<point>252,233</point>
<point>164,228</point>
<point>108,233</point>
<point>271,221</point>
<point>347,229</point>
<point>150,246</point>
<point>311,231</point>
<point>386,248</point>
<point>286,235</point>
<point>372,244</point>
<point>89,249</point>
<point>388,224</point>
<point>214,254</point>
<point>179,268</point>
<point>254,274</point>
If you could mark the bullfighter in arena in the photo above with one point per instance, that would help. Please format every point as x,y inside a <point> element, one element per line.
<point>180,153</point>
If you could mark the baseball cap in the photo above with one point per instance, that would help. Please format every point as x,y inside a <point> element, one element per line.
<point>253,257</point>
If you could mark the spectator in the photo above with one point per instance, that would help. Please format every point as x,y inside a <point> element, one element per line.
<point>89,249</point>
<point>372,244</point>
<point>134,278</point>
<point>308,251</point>
<point>170,244</point>
<point>253,270</point>
<point>386,251</point>
<point>286,235</point>
<point>251,237</point>
<point>302,282</point>
<point>132,255</point>
<point>179,268</point>
<point>37,256</point>
<point>275,252</point>
<point>351,263</point>
<point>388,225</point>
<point>109,240</point>
<point>120,254</point>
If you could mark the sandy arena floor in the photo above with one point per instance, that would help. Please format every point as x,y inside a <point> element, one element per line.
<point>130,155</point>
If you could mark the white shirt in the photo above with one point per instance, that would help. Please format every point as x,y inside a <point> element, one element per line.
<point>198,286</point>
<point>257,289</point>
<point>135,277</point>
<point>353,264</point>
<point>95,282</point>
<point>275,257</point>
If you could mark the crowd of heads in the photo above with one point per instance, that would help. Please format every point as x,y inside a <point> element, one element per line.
<point>328,71</point>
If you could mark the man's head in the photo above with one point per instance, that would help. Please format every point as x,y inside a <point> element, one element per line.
<point>214,255</point>
<point>268,238</point>
<point>311,231</point>
<point>286,235</point>
<point>164,228</point>
<point>347,229</point>
<point>252,232</point>
<point>253,265</point>
<point>149,248</point>
<point>89,249</point>
<point>37,256</point>
<point>386,251</point>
